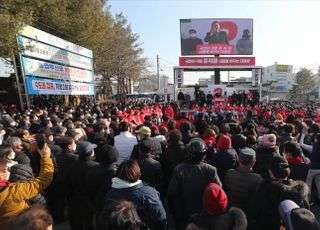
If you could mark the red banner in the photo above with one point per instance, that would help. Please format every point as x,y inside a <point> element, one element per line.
<point>217,61</point>
<point>219,100</point>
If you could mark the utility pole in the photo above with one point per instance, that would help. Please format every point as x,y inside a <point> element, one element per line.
<point>158,75</point>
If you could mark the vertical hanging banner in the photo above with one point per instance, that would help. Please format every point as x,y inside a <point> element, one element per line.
<point>256,74</point>
<point>178,73</point>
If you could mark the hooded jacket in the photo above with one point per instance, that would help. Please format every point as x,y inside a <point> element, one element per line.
<point>224,160</point>
<point>270,193</point>
<point>263,157</point>
<point>145,198</point>
<point>14,198</point>
<point>234,218</point>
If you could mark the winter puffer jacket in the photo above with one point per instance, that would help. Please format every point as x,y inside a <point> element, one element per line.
<point>156,149</point>
<point>263,158</point>
<point>186,187</point>
<point>145,198</point>
<point>14,198</point>
<point>234,218</point>
<point>264,211</point>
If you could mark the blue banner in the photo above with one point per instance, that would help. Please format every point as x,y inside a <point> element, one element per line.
<point>44,69</point>
<point>33,48</point>
<point>55,87</point>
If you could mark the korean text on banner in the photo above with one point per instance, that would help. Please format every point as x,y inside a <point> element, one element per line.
<point>256,74</point>
<point>217,61</point>
<point>216,36</point>
<point>179,77</point>
<point>42,36</point>
<point>55,87</point>
<point>49,53</point>
<point>44,69</point>
<point>215,49</point>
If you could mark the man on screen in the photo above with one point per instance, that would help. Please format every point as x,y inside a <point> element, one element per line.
<point>244,45</point>
<point>215,36</point>
<point>189,45</point>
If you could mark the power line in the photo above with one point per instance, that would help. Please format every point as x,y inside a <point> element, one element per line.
<point>169,62</point>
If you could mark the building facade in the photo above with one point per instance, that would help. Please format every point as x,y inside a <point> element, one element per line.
<point>277,80</point>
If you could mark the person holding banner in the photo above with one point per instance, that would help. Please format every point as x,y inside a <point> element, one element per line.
<point>215,36</point>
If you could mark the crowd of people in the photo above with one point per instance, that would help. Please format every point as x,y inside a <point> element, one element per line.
<point>142,165</point>
<point>217,97</point>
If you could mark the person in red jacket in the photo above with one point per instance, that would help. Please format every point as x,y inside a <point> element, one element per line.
<point>209,137</point>
<point>169,110</point>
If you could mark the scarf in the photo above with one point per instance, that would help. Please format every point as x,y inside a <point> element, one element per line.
<point>296,160</point>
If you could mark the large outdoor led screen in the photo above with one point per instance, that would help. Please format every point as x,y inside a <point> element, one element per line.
<point>216,36</point>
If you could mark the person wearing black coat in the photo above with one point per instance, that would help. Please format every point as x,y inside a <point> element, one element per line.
<point>78,197</point>
<point>99,137</point>
<point>35,157</point>
<point>53,200</point>
<point>188,182</point>
<point>271,192</point>
<point>299,164</point>
<point>238,139</point>
<point>35,124</point>
<point>66,158</point>
<point>241,183</point>
<point>151,171</point>
<point>173,155</point>
<point>226,157</point>
<point>216,214</point>
<point>265,153</point>
<point>181,98</point>
<point>186,129</point>
<point>64,161</point>
<point>144,134</point>
<point>200,124</point>
<point>285,136</point>
<point>99,177</point>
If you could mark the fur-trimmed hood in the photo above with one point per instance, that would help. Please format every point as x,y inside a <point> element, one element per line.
<point>234,219</point>
<point>280,190</point>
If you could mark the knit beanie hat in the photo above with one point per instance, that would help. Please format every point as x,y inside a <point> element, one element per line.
<point>215,199</point>
<point>269,140</point>
<point>224,142</point>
